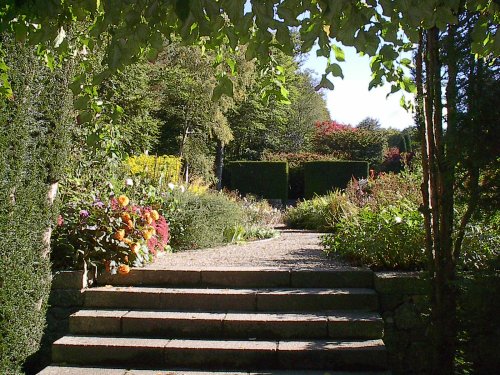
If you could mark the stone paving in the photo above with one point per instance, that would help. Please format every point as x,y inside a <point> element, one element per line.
<point>296,249</point>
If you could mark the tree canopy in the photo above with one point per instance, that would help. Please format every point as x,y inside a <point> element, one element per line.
<point>129,29</point>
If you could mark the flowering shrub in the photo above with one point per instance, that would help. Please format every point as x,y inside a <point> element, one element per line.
<point>328,127</point>
<point>113,235</point>
<point>384,189</point>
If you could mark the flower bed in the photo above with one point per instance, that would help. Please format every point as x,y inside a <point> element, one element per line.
<point>112,235</point>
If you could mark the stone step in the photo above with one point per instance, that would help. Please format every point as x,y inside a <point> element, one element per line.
<point>213,354</point>
<point>74,370</point>
<point>243,277</point>
<point>243,325</point>
<point>278,299</point>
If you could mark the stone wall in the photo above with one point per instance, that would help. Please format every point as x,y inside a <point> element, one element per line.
<point>404,306</point>
<point>66,297</point>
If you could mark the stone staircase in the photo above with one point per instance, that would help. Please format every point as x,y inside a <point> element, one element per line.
<point>227,320</point>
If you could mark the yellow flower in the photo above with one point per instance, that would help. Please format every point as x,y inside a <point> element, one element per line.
<point>148,233</point>
<point>123,200</point>
<point>123,269</point>
<point>155,215</point>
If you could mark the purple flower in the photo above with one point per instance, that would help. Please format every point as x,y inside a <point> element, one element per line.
<point>98,204</point>
<point>84,214</point>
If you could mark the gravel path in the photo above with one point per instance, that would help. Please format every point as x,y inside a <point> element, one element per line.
<point>292,249</point>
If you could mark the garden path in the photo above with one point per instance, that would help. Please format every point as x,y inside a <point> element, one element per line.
<point>295,249</point>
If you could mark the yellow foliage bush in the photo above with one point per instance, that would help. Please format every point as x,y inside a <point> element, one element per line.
<point>154,167</point>
<point>198,187</point>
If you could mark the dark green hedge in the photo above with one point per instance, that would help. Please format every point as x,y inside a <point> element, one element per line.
<point>266,179</point>
<point>296,168</point>
<point>323,176</point>
<point>34,134</point>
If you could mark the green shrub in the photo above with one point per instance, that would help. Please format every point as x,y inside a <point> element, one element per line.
<point>198,221</point>
<point>35,127</point>
<point>320,213</point>
<point>323,176</point>
<point>392,238</point>
<point>265,179</point>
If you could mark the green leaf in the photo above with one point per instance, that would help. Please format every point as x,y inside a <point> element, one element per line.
<point>81,102</point>
<point>339,53</point>
<point>406,62</point>
<point>114,56</point>
<point>225,87</point>
<point>93,140</point>
<point>325,83</point>
<point>375,82</point>
<point>335,69</point>
<point>20,31</point>
<point>232,65</point>
<point>284,92</point>
<point>84,117</point>
<point>394,89</point>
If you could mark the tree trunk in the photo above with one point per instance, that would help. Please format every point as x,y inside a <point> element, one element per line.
<point>439,181</point>
<point>219,163</point>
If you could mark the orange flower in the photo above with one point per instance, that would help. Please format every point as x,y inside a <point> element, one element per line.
<point>147,217</point>
<point>155,215</point>
<point>134,247</point>
<point>130,224</point>
<point>123,200</point>
<point>120,235</point>
<point>148,233</point>
<point>123,269</point>
<point>126,217</point>
<point>128,241</point>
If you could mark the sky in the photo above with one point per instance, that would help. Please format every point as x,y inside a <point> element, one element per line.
<point>350,101</point>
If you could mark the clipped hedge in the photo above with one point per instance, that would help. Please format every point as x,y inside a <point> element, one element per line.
<point>296,168</point>
<point>323,176</point>
<point>35,130</point>
<point>262,178</point>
